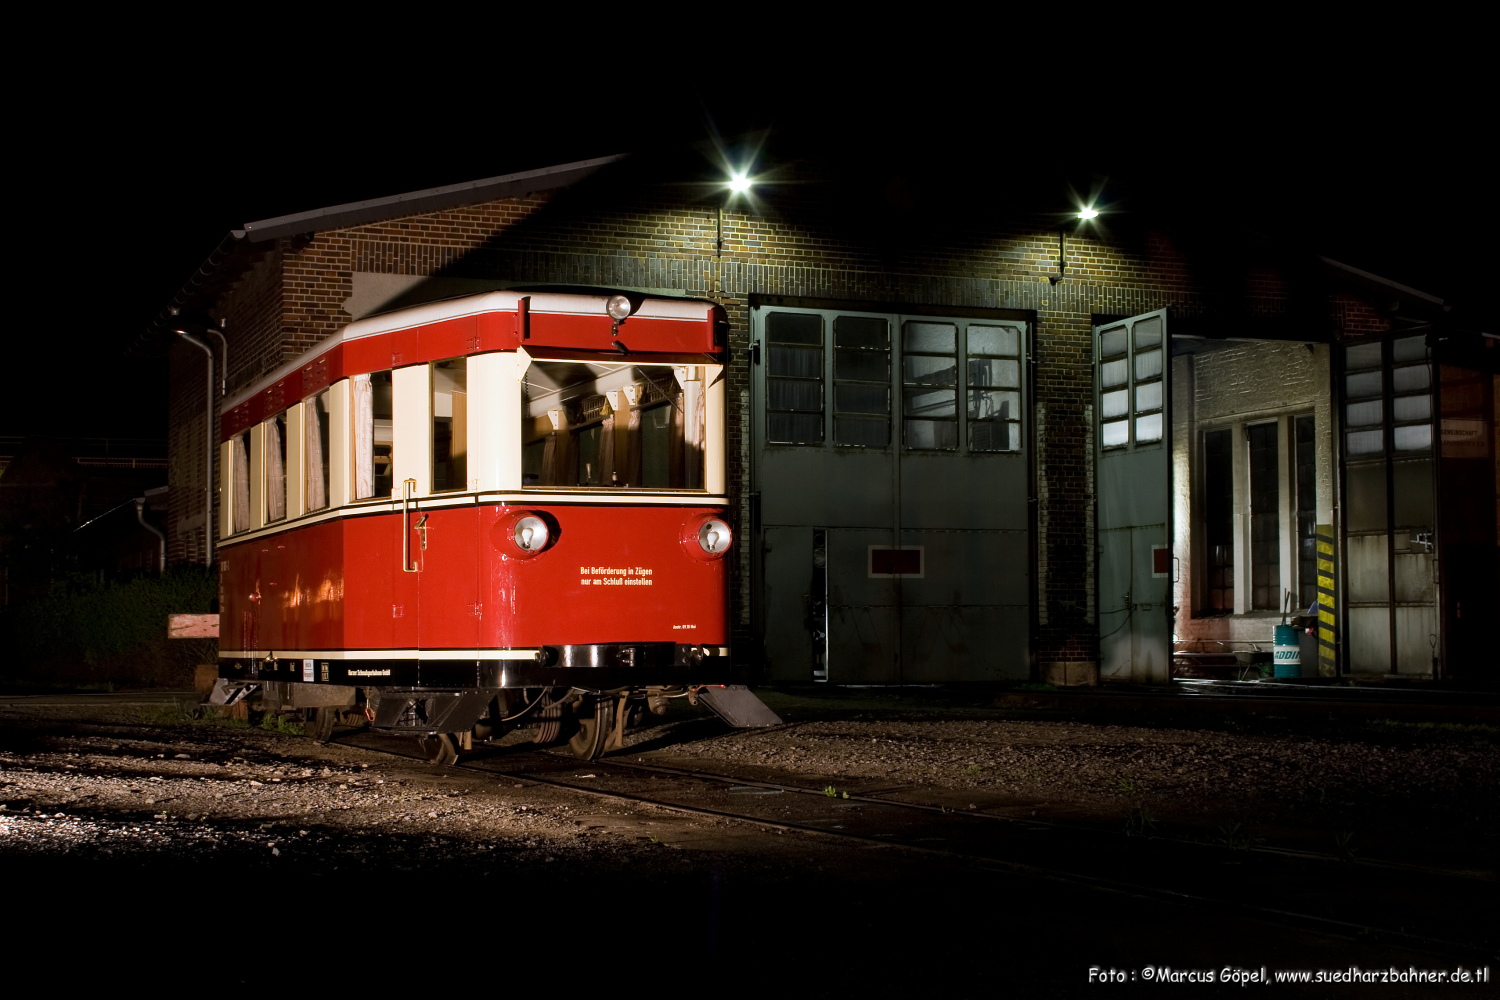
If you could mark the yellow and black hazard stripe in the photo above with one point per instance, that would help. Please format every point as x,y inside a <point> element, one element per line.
<point>1328,643</point>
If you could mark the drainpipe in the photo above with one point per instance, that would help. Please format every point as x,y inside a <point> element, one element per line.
<point>208,436</point>
<point>140,515</point>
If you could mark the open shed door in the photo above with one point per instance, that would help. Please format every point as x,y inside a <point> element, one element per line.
<point>1134,478</point>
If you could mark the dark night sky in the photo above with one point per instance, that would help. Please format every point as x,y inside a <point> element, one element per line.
<point>129,194</point>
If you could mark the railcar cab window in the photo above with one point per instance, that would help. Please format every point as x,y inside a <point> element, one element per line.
<point>373,440</point>
<point>450,425</point>
<point>613,426</point>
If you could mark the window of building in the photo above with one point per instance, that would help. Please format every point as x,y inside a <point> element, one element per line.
<point>1218,520</point>
<point>1258,510</point>
<point>1265,517</point>
<point>315,447</point>
<point>450,425</point>
<point>1306,473</point>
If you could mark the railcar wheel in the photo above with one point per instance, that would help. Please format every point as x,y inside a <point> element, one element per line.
<point>319,724</point>
<point>441,748</point>
<point>596,720</point>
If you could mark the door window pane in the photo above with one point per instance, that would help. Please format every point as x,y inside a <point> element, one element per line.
<point>1364,414</point>
<point>929,406</point>
<point>1114,404</point>
<point>1412,378</point>
<point>1148,428</point>
<point>1147,333</point>
<point>1417,437</point>
<point>862,382</point>
<point>1112,342</point>
<point>1148,365</point>
<point>794,378</point>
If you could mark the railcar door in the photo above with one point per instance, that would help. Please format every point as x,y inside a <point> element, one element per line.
<point>1134,482</point>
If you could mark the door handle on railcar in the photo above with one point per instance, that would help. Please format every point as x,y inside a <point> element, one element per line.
<point>407,488</point>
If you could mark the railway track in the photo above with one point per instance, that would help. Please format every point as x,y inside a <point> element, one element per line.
<point>1429,911</point>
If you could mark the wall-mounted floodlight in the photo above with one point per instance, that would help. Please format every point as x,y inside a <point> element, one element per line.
<point>739,182</point>
<point>1088,213</point>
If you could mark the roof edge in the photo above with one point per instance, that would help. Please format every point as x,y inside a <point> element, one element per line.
<point>429,200</point>
<point>1376,279</point>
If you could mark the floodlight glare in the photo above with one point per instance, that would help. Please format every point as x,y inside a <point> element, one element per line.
<point>1088,213</point>
<point>739,183</point>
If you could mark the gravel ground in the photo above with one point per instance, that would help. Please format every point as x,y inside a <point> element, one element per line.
<point>1416,793</point>
<point>174,844</point>
<point>119,780</point>
<point>125,782</point>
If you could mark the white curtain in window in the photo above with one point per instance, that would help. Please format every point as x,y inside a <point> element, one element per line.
<point>275,470</point>
<point>241,458</point>
<point>317,474</point>
<point>364,436</point>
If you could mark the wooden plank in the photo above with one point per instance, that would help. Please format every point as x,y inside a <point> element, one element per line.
<point>192,626</point>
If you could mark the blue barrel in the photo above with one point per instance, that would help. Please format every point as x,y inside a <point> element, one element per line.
<point>1287,654</point>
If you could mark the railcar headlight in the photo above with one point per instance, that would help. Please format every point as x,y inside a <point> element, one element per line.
<point>714,537</point>
<point>522,534</point>
<point>619,308</point>
<point>531,533</point>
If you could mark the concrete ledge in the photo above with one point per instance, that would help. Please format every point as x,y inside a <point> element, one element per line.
<point>1070,673</point>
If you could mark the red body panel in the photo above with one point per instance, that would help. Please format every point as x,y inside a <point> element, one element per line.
<point>613,574</point>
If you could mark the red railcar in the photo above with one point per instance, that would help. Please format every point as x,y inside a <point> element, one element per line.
<point>498,510</point>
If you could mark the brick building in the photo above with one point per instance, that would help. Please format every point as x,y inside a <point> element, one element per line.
<point>1091,441</point>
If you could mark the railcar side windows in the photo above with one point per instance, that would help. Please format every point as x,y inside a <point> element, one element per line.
<point>316,424</point>
<point>450,425</point>
<point>373,442</point>
<point>276,467</point>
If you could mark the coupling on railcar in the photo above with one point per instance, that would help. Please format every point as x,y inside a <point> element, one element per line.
<point>489,512</point>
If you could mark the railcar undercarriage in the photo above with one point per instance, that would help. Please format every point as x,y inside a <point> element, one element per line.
<point>448,722</point>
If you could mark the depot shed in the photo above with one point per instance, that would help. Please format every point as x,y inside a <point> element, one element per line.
<point>970,440</point>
